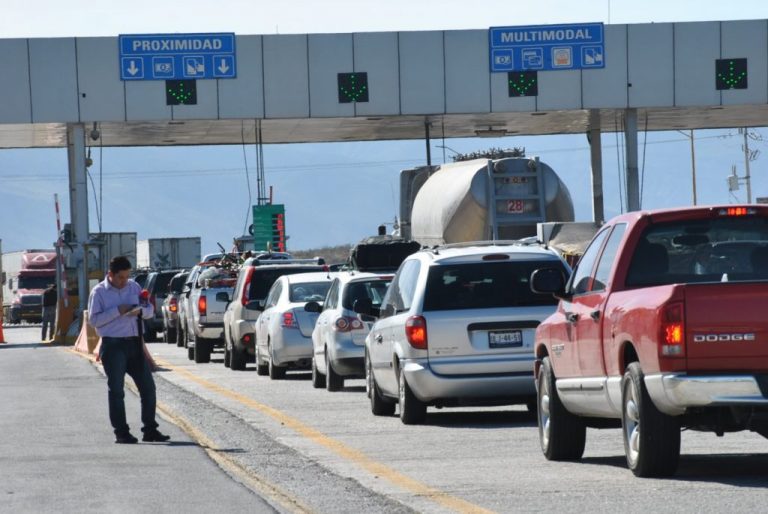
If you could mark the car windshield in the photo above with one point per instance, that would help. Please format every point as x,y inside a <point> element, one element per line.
<point>729,249</point>
<point>35,282</point>
<point>262,279</point>
<point>308,291</point>
<point>485,285</point>
<point>371,289</point>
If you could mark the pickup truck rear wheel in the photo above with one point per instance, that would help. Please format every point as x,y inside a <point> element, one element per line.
<point>318,379</point>
<point>562,435</point>
<point>202,350</point>
<point>651,438</point>
<point>180,337</point>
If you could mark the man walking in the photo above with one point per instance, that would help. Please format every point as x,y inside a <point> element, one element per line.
<point>49,311</point>
<point>113,308</point>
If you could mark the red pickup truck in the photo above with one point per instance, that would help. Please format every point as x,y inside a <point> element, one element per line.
<point>662,326</point>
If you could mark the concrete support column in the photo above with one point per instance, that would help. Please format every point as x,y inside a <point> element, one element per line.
<point>78,205</point>
<point>633,175</point>
<point>596,165</point>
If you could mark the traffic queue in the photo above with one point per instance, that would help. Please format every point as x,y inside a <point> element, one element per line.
<point>658,329</point>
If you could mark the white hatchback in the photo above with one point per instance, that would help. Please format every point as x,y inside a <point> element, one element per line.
<point>284,329</point>
<point>339,335</point>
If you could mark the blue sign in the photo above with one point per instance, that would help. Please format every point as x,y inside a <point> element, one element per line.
<point>177,56</point>
<point>547,47</point>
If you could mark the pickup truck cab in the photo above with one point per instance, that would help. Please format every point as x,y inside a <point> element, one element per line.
<point>661,327</point>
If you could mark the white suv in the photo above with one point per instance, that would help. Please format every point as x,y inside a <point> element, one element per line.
<point>457,327</point>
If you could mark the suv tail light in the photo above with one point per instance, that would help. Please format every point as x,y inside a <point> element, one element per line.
<point>347,324</point>
<point>416,332</point>
<point>246,287</point>
<point>202,305</point>
<point>672,330</point>
<point>173,306</point>
<point>289,320</point>
<point>247,339</point>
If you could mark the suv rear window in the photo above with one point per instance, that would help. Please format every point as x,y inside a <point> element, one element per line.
<point>708,250</point>
<point>177,283</point>
<point>485,285</point>
<point>161,282</point>
<point>262,279</point>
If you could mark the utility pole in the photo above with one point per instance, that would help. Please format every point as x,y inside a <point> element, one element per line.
<point>747,178</point>
<point>693,163</point>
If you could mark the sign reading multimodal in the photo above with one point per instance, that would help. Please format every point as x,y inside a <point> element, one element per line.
<point>177,56</point>
<point>547,47</point>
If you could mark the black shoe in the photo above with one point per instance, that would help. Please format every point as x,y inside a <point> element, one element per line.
<point>126,438</point>
<point>154,436</point>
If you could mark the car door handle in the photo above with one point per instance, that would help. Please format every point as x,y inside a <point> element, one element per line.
<point>378,338</point>
<point>572,317</point>
<point>595,315</point>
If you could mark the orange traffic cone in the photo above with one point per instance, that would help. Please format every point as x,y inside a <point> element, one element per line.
<point>2,337</point>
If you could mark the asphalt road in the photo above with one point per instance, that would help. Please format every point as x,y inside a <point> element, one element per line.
<point>310,450</point>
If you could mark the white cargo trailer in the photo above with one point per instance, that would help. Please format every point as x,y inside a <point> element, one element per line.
<point>168,252</point>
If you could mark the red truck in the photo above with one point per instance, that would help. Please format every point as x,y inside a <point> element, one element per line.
<point>25,275</point>
<point>662,326</point>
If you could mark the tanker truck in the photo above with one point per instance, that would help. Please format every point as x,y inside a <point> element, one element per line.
<point>480,200</point>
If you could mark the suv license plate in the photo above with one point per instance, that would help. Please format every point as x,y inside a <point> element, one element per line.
<point>506,339</point>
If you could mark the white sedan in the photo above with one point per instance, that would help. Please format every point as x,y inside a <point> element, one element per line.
<point>284,329</point>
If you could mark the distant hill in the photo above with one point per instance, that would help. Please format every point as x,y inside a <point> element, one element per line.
<point>331,254</point>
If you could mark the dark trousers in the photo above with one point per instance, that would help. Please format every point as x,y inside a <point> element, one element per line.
<point>121,355</point>
<point>49,320</point>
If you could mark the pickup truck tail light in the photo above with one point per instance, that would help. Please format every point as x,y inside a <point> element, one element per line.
<point>289,320</point>
<point>416,332</point>
<point>173,306</point>
<point>347,324</point>
<point>672,331</point>
<point>202,305</point>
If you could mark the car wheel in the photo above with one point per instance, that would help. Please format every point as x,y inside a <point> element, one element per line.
<point>333,381</point>
<point>227,354</point>
<point>191,353</point>
<point>562,435</point>
<point>275,372</point>
<point>651,438</point>
<point>412,410</point>
<point>237,359</point>
<point>262,368</point>
<point>202,350</point>
<point>180,338</point>
<point>318,379</point>
<point>380,406</point>
<point>170,335</point>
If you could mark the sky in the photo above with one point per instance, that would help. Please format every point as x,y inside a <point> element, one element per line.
<point>335,193</point>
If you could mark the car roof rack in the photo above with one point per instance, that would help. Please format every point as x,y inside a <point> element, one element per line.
<point>528,241</point>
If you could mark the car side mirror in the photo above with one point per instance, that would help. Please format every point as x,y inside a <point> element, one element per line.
<point>548,281</point>
<point>313,307</point>
<point>255,305</point>
<point>223,296</point>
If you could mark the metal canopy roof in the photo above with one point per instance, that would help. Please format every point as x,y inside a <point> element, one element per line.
<point>222,132</point>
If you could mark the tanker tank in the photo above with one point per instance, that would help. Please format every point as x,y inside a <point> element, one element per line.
<point>481,200</point>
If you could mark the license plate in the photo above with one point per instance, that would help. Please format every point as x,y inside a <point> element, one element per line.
<point>506,339</point>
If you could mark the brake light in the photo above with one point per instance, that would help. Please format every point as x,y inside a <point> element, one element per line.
<point>347,324</point>
<point>247,339</point>
<point>289,320</point>
<point>672,331</point>
<point>737,211</point>
<point>246,287</point>
<point>416,332</point>
<point>173,306</point>
<point>496,257</point>
<point>202,305</point>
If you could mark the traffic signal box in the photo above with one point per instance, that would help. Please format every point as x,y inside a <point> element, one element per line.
<point>269,227</point>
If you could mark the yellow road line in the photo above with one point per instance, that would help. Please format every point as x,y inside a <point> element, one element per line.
<point>348,453</point>
<point>251,479</point>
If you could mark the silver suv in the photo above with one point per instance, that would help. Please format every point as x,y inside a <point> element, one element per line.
<point>456,327</point>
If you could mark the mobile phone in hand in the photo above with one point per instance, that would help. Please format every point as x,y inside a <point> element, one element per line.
<point>133,310</point>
